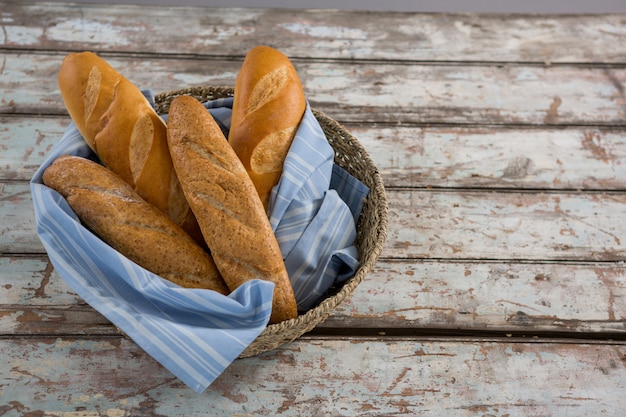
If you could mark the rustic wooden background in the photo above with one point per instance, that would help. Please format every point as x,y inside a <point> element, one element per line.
<point>501,141</point>
<point>422,6</point>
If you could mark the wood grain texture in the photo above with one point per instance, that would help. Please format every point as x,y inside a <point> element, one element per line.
<point>324,34</point>
<point>367,92</point>
<point>25,142</point>
<point>32,281</point>
<point>61,376</point>
<point>501,141</point>
<point>439,224</point>
<point>17,230</point>
<point>397,297</point>
<point>415,156</point>
<point>489,297</point>
<point>505,225</point>
<point>497,157</point>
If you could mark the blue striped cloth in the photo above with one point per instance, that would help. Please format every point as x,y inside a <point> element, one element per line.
<point>196,333</point>
<point>313,210</point>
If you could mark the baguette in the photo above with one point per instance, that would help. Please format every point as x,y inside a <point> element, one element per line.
<point>268,106</point>
<point>121,127</point>
<point>109,206</point>
<point>226,204</point>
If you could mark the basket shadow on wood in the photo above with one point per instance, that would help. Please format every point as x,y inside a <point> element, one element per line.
<point>371,227</point>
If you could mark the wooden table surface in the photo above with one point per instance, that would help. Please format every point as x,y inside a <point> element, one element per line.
<point>501,290</point>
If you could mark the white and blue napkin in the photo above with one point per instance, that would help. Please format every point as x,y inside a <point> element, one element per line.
<point>197,333</point>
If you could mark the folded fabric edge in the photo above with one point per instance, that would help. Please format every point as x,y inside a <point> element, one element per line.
<point>197,384</point>
<point>263,289</point>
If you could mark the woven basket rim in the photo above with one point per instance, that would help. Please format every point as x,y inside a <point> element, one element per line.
<point>277,334</point>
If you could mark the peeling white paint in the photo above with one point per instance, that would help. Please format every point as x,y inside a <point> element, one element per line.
<point>226,78</point>
<point>8,322</point>
<point>20,35</point>
<point>322,31</point>
<point>111,412</point>
<point>463,27</point>
<point>6,17</point>
<point>216,35</point>
<point>79,30</point>
<point>617,30</point>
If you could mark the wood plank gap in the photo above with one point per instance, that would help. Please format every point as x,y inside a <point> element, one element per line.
<point>309,59</point>
<point>77,336</point>
<point>470,339</point>
<point>387,335</point>
<point>613,127</point>
<point>528,261</point>
<point>387,338</point>
<point>508,190</point>
<point>447,189</point>
<point>124,55</point>
<point>482,334</point>
<point>476,260</point>
<point>608,127</point>
<point>430,259</point>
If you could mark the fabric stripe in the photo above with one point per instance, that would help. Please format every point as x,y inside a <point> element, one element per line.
<point>313,211</point>
<point>197,333</point>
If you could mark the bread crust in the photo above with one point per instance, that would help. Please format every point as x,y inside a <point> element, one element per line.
<point>225,202</point>
<point>109,206</point>
<point>268,106</point>
<point>121,127</point>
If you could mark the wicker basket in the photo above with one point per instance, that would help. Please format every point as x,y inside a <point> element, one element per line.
<point>371,228</point>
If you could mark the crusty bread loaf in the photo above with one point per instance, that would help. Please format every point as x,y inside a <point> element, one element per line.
<point>224,200</point>
<point>267,109</point>
<point>121,127</point>
<point>108,206</point>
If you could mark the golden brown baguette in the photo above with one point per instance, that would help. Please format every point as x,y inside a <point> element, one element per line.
<point>224,200</point>
<point>122,128</point>
<point>108,206</point>
<point>268,106</point>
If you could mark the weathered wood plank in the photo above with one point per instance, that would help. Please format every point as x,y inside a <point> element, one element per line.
<point>479,225</point>
<point>33,281</point>
<point>433,224</point>
<point>25,142</point>
<point>29,321</point>
<point>17,230</point>
<point>503,261</point>
<point>364,92</point>
<point>60,376</point>
<point>488,296</point>
<point>495,157</point>
<point>397,295</point>
<point>323,34</point>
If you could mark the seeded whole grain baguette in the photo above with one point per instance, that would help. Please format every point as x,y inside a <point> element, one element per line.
<point>226,204</point>
<point>121,127</point>
<point>109,206</point>
<point>268,106</point>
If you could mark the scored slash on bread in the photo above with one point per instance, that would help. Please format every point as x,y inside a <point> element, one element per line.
<point>169,192</point>
<point>109,206</point>
<point>268,106</point>
<point>225,202</point>
<point>121,127</point>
